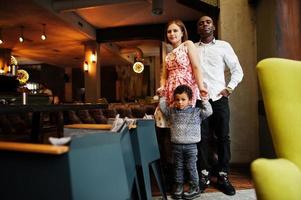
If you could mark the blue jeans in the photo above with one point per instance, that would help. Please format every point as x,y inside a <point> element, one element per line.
<point>185,155</point>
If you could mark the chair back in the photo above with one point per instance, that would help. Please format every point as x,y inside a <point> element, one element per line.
<point>280,82</point>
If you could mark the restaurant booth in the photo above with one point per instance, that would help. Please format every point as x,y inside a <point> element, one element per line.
<point>97,164</point>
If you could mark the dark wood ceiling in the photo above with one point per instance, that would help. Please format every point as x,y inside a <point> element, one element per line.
<point>67,30</point>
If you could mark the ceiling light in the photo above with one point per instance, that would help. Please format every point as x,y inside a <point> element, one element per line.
<point>86,66</point>
<point>43,36</point>
<point>157,7</point>
<point>138,67</point>
<point>21,38</point>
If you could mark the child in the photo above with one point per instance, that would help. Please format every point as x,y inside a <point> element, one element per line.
<point>185,123</point>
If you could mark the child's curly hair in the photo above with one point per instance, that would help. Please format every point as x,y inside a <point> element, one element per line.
<point>183,89</point>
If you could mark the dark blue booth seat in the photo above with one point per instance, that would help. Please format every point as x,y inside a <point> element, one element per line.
<point>34,176</point>
<point>102,166</point>
<point>147,156</point>
<point>99,165</point>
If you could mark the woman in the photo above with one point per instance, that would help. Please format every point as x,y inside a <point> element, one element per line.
<point>182,65</point>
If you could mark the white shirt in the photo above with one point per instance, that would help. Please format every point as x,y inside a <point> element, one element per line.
<point>215,57</point>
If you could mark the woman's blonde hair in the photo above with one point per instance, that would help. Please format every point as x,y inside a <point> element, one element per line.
<point>180,24</point>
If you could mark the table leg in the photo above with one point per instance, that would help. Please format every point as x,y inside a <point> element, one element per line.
<point>60,124</point>
<point>36,127</point>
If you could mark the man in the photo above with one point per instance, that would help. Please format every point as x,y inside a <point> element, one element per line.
<point>216,56</point>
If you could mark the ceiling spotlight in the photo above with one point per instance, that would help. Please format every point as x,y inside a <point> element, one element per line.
<point>1,41</point>
<point>21,38</point>
<point>157,7</point>
<point>43,36</point>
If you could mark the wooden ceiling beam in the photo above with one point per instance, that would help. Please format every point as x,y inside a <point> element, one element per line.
<point>151,32</point>
<point>142,32</point>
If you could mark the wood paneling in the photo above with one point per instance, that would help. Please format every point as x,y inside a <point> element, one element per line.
<point>289,28</point>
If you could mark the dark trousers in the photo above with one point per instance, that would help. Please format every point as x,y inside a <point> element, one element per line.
<point>216,126</point>
<point>163,136</point>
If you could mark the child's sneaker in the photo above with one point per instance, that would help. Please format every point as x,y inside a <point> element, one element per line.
<point>193,192</point>
<point>178,191</point>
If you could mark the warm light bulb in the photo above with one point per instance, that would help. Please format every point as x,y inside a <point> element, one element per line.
<point>93,57</point>
<point>43,37</point>
<point>21,39</point>
<point>1,41</point>
<point>86,66</point>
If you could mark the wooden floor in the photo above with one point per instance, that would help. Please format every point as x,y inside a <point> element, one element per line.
<point>240,178</point>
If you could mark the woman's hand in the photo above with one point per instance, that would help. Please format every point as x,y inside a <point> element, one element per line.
<point>203,92</point>
<point>160,91</point>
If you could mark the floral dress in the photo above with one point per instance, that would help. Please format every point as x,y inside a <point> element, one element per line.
<point>179,71</point>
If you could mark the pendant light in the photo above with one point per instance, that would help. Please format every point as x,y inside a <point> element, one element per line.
<point>43,36</point>
<point>1,39</point>
<point>21,37</point>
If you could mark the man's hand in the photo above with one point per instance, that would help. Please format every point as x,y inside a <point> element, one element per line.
<point>225,92</point>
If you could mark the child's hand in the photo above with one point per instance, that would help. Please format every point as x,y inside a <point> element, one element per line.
<point>205,98</point>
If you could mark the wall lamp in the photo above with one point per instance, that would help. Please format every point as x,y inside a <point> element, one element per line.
<point>86,66</point>
<point>21,38</point>
<point>43,36</point>
<point>93,57</point>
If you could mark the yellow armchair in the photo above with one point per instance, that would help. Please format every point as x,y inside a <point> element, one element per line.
<point>280,82</point>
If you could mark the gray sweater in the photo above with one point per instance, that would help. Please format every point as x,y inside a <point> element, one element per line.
<point>185,124</point>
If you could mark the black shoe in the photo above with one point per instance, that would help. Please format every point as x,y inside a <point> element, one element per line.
<point>178,191</point>
<point>204,180</point>
<point>193,192</point>
<point>224,184</point>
